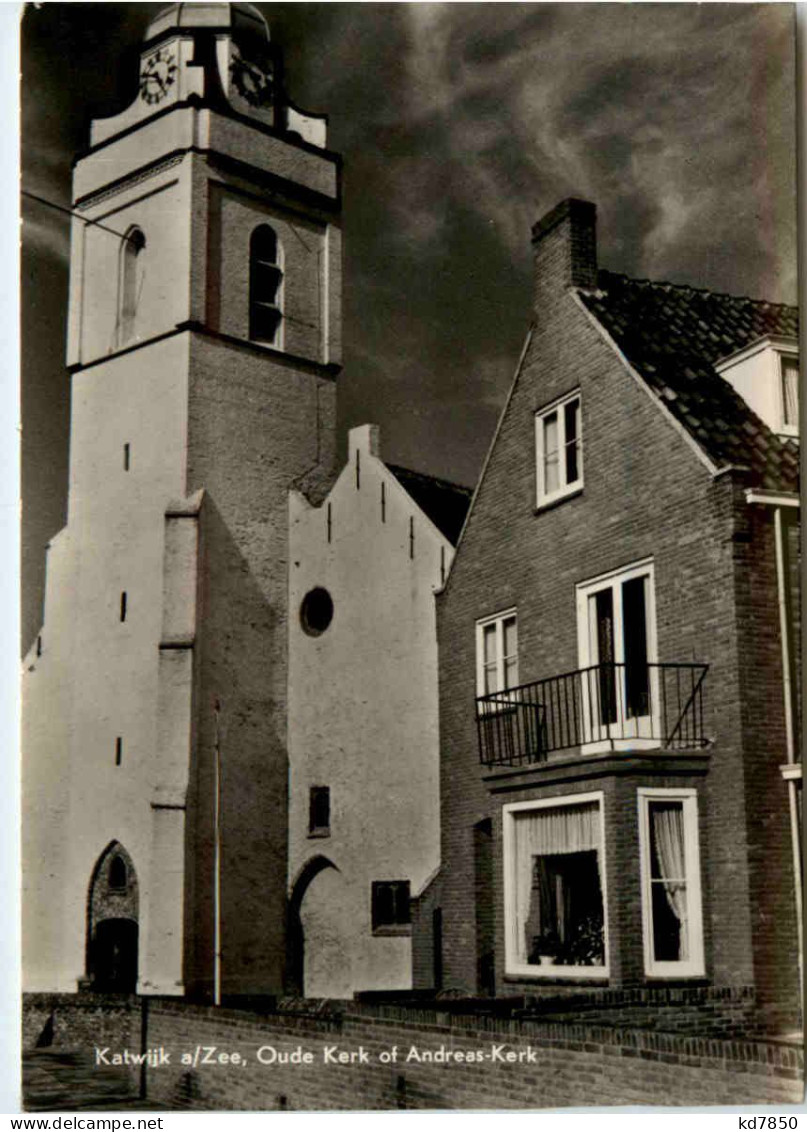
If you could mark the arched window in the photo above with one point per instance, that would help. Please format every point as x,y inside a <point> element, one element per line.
<point>265,286</point>
<point>117,877</point>
<point>131,274</point>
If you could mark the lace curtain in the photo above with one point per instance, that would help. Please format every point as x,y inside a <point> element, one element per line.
<point>538,833</point>
<point>667,831</point>
<point>790,380</point>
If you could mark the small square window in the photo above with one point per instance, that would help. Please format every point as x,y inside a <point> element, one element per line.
<point>391,913</point>
<point>319,811</point>
<point>558,450</point>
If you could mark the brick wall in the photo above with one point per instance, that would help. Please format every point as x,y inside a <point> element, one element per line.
<point>770,859</point>
<point>647,494</point>
<point>73,1021</point>
<point>574,1064</point>
<point>255,426</point>
<point>588,1053</point>
<point>424,944</point>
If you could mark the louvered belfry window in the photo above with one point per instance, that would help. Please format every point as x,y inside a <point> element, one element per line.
<point>265,286</point>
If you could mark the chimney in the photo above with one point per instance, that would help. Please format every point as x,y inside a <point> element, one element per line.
<point>565,243</point>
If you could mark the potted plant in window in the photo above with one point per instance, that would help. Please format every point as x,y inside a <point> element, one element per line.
<point>545,947</point>
<point>586,946</point>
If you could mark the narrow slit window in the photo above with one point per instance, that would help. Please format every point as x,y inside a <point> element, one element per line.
<point>126,457</point>
<point>118,751</point>
<point>123,602</point>
<point>118,876</point>
<point>319,811</point>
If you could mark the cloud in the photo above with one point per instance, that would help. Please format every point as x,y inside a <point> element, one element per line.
<point>650,110</point>
<point>41,234</point>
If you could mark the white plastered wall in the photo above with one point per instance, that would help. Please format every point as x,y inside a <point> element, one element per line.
<point>363,714</point>
<point>97,677</point>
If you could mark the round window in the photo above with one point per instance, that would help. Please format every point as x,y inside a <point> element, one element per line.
<point>316,611</point>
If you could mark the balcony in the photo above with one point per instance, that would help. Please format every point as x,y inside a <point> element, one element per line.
<point>605,707</point>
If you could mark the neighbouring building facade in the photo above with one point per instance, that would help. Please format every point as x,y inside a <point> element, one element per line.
<point>363,731</point>
<point>619,717</point>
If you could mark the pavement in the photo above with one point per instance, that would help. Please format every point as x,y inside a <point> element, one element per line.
<point>57,1080</point>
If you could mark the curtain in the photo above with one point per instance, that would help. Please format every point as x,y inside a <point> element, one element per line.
<point>538,833</point>
<point>790,378</point>
<point>668,841</point>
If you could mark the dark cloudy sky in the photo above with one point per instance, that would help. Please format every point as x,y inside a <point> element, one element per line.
<point>460,125</point>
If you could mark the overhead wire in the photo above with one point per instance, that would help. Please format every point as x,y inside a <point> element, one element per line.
<point>72,212</point>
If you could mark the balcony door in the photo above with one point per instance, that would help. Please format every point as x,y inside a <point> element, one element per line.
<point>617,647</point>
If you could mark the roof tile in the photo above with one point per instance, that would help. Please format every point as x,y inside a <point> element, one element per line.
<point>445,503</point>
<point>672,336</point>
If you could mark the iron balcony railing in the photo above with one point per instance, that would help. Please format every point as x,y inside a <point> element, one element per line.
<point>614,706</point>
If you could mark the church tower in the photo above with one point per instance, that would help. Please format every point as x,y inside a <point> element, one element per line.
<point>204,340</point>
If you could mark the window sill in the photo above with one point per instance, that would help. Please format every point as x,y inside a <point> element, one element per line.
<point>599,976</point>
<point>550,501</point>
<point>558,974</point>
<point>266,343</point>
<point>315,833</point>
<point>671,976</point>
<point>678,977</point>
<point>393,930</point>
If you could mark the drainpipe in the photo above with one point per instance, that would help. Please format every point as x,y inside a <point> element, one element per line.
<point>787,688</point>
<point>784,632</point>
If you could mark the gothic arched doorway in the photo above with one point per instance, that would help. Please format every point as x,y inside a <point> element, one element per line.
<point>112,923</point>
<point>318,960</point>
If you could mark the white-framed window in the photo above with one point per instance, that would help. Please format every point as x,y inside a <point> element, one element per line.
<point>616,628</point>
<point>672,915</point>
<point>266,287</point>
<point>558,449</point>
<point>497,653</point>
<point>554,887</point>
<point>789,392</point>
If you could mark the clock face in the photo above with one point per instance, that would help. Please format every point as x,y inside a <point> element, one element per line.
<point>252,82</point>
<point>157,76</point>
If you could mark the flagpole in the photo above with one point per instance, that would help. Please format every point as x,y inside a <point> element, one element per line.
<point>217,861</point>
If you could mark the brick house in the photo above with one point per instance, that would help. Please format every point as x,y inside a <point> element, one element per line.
<point>620,776</point>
